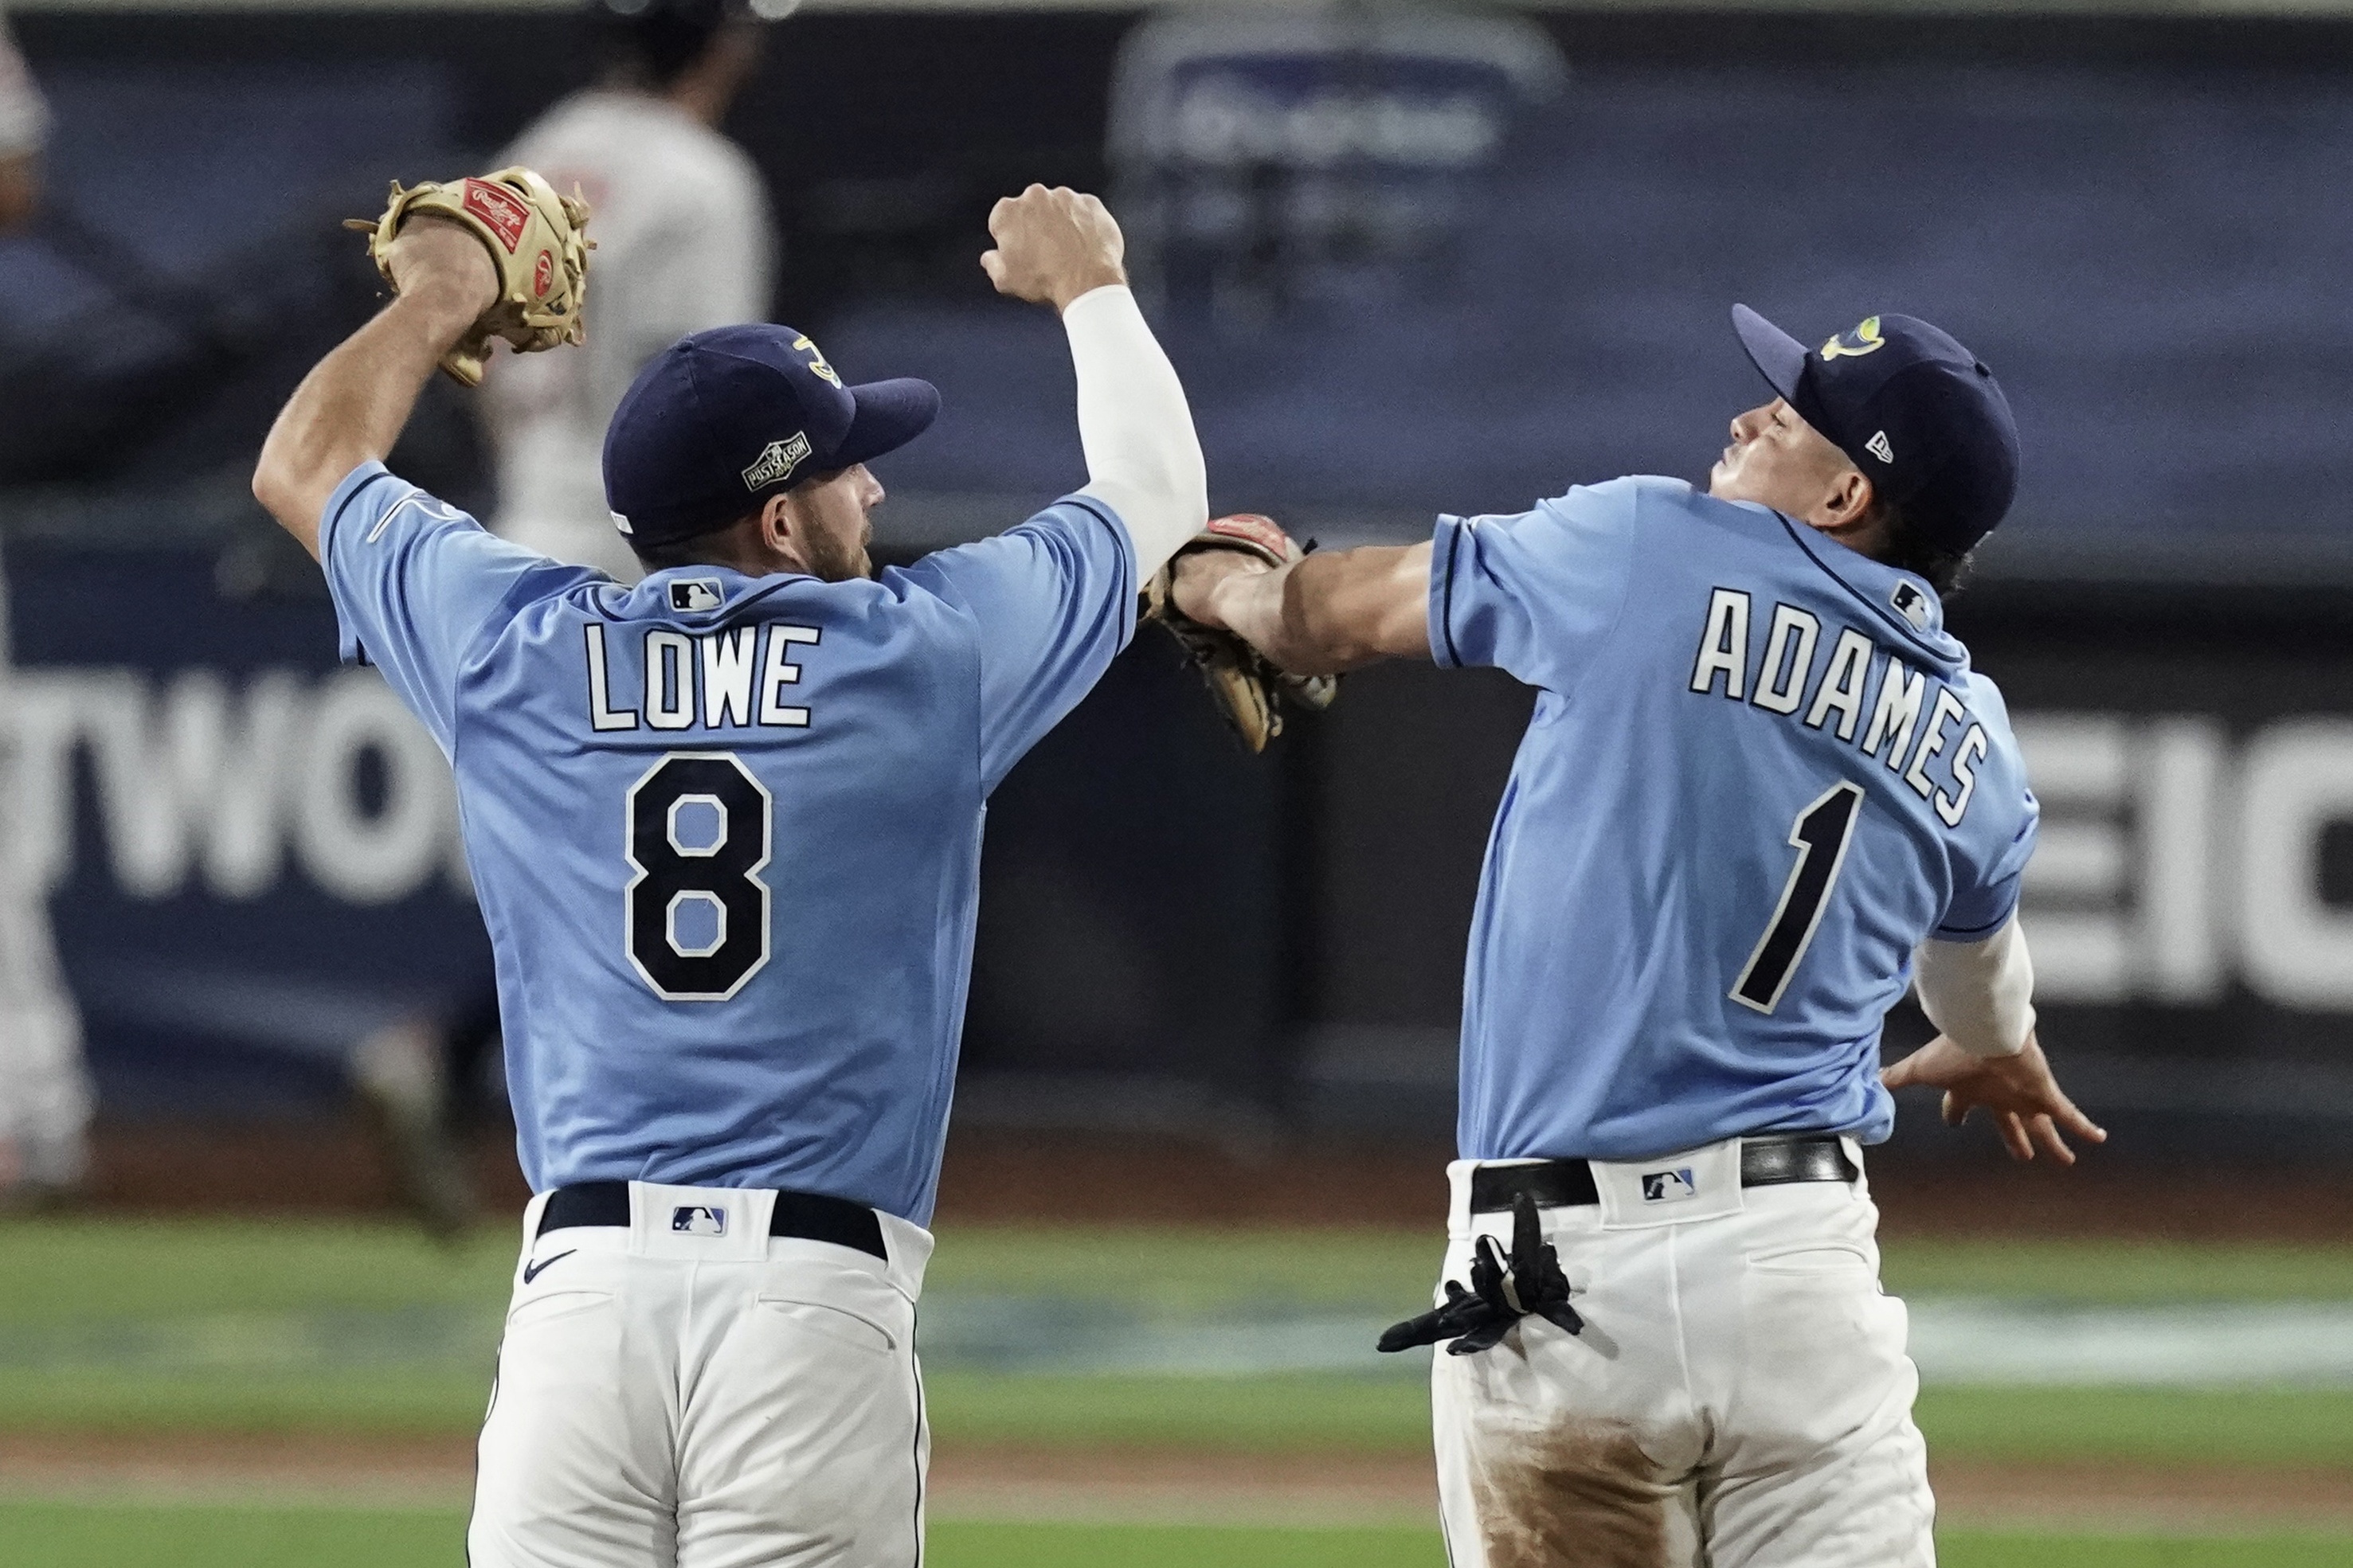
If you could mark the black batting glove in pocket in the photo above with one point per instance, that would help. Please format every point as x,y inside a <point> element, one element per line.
<point>1478,1318</point>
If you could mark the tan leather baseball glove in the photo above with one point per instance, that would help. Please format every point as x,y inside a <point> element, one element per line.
<point>536,241</point>
<point>1247,687</point>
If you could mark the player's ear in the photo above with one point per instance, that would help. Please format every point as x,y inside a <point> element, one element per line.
<point>1851,499</point>
<point>776,521</point>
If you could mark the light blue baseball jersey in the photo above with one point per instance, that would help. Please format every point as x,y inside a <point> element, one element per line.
<point>1758,774</point>
<point>726,830</point>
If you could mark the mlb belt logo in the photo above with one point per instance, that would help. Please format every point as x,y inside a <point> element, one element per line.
<point>1669,1187</point>
<point>694,1219</point>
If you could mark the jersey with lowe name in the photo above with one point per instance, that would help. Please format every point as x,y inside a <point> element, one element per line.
<point>726,830</point>
<point>1759,773</point>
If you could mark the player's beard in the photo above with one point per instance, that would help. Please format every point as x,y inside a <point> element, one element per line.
<point>834,560</point>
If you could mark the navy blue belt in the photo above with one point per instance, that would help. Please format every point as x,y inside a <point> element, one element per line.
<point>1560,1183</point>
<point>809,1217</point>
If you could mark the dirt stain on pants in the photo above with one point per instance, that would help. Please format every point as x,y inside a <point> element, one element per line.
<point>1582,1497</point>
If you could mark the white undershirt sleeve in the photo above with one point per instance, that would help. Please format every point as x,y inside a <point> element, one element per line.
<point>1143,460</point>
<point>1979,995</point>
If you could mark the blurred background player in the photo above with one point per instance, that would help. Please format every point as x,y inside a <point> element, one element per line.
<point>684,241</point>
<point>45,1099</point>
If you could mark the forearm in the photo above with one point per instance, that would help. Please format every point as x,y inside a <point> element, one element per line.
<point>351,407</point>
<point>1979,995</point>
<point>1331,612</point>
<point>1142,457</point>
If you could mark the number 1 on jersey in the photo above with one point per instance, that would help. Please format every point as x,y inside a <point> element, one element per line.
<point>1821,834</point>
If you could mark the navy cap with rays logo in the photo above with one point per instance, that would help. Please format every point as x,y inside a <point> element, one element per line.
<point>720,420</point>
<point>1919,414</point>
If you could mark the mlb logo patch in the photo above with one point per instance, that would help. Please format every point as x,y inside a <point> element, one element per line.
<point>1912,605</point>
<point>1669,1187</point>
<point>697,593</point>
<point>694,1219</point>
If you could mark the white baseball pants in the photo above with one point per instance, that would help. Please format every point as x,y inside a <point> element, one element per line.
<point>676,1400</point>
<point>1739,1397</point>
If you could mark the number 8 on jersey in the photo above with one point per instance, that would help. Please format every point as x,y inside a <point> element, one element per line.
<point>699,826</point>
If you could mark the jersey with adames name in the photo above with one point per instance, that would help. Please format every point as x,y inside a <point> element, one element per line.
<point>1759,773</point>
<point>726,830</point>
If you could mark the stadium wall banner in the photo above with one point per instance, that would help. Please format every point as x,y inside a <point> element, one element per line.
<point>231,784</point>
<point>2176,859</point>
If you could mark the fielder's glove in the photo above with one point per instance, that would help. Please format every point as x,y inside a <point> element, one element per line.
<point>1477,1319</point>
<point>1244,682</point>
<point>536,240</point>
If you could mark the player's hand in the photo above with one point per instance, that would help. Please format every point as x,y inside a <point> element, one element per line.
<point>1053,245</point>
<point>439,262</point>
<point>1196,577</point>
<point>2028,1105</point>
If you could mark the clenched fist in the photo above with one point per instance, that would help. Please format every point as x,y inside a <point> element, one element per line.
<point>433,255</point>
<point>1053,245</point>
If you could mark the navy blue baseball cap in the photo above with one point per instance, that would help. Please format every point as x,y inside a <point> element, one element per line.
<point>721,420</point>
<point>1919,414</point>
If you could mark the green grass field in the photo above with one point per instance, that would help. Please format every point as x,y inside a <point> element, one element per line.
<point>65,1536</point>
<point>67,1269</point>
<point>299,1325</point>
<point>294,1327</point>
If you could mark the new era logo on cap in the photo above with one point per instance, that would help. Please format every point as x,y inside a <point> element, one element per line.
<point>1878,447</point>
<point>694,1219</point>
<point>1669,1187</point>
<point>776,460</point>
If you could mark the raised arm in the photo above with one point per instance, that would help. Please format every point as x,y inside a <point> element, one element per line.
<point>351,406</point>
<point>1331,612</point>
<point>1143,460</point>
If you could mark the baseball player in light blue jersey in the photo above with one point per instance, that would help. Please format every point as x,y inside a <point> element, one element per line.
<point>1762,793</point>
<point>725,826</point>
